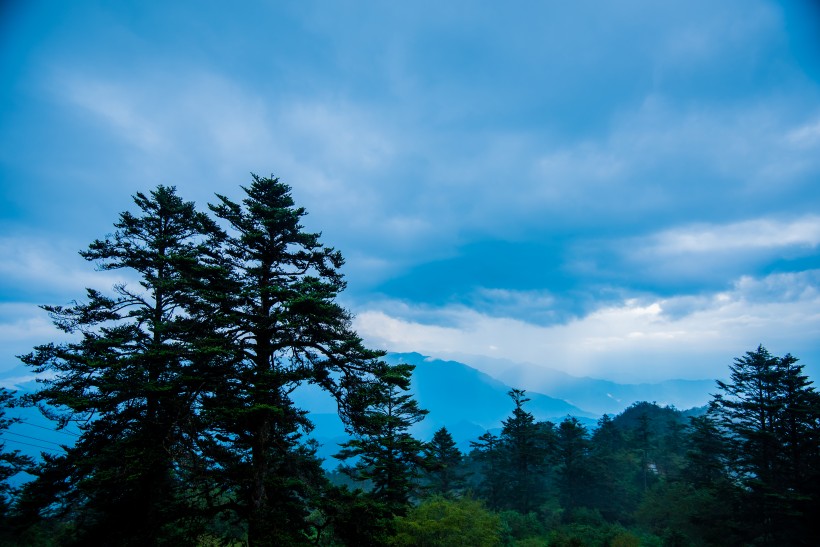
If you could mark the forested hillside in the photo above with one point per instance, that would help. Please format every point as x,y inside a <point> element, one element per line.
<point>181,388</point>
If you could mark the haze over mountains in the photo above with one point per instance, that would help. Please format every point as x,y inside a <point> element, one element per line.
<point>469,402</point>
<point>446,385</point>
<point>594,395</point>
<point>464,399</point>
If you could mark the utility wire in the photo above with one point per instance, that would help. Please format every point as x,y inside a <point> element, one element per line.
<point>33,438</point>
<point>63,431</point>
<point>49,449</point>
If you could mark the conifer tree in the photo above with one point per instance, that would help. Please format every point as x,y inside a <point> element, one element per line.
<point>488,452</point>
<point>770,411</point>
<point>387,453</point>
<point>706,453</point>
<point>572,453</point>
<point>131,377</point>
<point>612,466</point>
<point>527,447</point>
<point>11,461</point>
<point>283,328</point>
<point>445,473</point>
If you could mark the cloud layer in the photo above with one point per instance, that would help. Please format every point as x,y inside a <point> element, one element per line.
<point>626,188</point>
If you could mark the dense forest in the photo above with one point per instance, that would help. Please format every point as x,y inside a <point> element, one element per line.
<point>181,385</point>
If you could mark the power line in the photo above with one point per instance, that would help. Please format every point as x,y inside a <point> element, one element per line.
<point>47,448</point>
<point>33,438</point>
<point>64,432</point>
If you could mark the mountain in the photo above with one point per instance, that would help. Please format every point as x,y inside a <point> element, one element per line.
<point>595,395</point>
<point>454,393</point>
<point>464,399</point>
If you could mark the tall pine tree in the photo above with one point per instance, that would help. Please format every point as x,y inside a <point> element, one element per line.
<point>386,452</point>
<point>770,411</point>
<point>527,446</point>
<point>283,328</point>
<point>445,475</point>
<point>131,378</point>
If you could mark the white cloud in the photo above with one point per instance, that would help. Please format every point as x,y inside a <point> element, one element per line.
<point>762,233</point>
<point>635,339</point>
<point>23,326</point>
<point>116,106</point>
<point>805,136</point>
<point>37,265</point>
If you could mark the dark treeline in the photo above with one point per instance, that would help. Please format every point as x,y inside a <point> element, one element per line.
<point>181,387</point>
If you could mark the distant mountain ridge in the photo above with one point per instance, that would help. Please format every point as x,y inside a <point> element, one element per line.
<point>464,399</point>
<point>454,392</point>
<point>592,394</point>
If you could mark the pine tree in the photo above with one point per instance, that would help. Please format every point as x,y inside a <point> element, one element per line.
<point>527,446</point>
<point>387,453</point>
<point>488,453</point>
<point>770,412</point>
<point>131,378</point>
<point>283,328</point>
<point>445,471</point>
<point>612,465</point>
<point>11,461</point>
<point>572,454</point>
<point>705,454</point>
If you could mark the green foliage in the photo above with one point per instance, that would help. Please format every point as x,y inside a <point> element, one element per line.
<point>573,466</point>
<point>11,461</point>
<point>519,528</point>
<point>181,384</point>
<point>445,474</point>
<point>280,327</point>
<point>346,517</point>
<point>612,466</point>
<point>487,453</point>
<point>513,467</point>
<point>439,521</point>
<point>386,453</point>
<point>131,378</point>
<point>769,411</point>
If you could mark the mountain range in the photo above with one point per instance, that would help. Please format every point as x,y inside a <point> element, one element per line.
<point>592,394</point>
<point>470,402</point>
<point>466,400</point>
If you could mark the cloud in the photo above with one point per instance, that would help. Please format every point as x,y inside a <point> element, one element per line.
<point>747,235</point>
<point>550,172</point>
<point>37,266</point>
<point>637,338</point>
<point>22,327</point>
<point>702,254</point>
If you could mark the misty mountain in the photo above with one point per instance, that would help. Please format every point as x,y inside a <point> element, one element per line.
<point>456,393</point>
<point>464,399</point>
<point>595,395</point>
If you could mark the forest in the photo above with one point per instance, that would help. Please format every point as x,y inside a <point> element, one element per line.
<point>180,383</point>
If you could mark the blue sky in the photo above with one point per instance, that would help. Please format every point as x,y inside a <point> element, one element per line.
<point>627,190</point>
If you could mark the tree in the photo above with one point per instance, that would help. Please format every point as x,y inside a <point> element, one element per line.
<point>612,465</point>
<point>131,378</point>
<point>706,453</point>
<point>770,412</point>
<point>526,447</point>
<point>282,328</point>
<point>487,451</point>
<point>445,472</point>
<point>572,453</point>
<point>11,461</point>
<point>387,454</point>
<point>442,521</point>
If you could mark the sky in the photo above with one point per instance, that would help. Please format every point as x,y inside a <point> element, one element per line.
<point>628,190</point>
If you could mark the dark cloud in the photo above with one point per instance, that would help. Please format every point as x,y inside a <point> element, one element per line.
<point>535,163</point>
